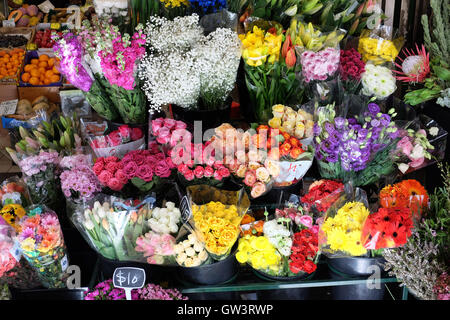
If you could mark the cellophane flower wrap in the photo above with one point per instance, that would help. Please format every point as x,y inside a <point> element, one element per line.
<point>356,148</point>
<point>351,68</point>
<point>340,233</point>
<point>42,243</point>
<point>270,65</point>
<point>118,142</point>
<point>119,62</point>
<point>77,54</point>
<point>377,81</point>
<point>40,175</point>
<point>216,216</point>
<point>15,271</point>
<point>379,45</point>
<point>321,195</point>
<point>14,191</point>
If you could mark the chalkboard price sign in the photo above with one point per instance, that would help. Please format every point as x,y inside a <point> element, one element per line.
<point>129,278</point>
<point>185,209</point>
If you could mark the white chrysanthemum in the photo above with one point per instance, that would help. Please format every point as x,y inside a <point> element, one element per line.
<point>378,81</point>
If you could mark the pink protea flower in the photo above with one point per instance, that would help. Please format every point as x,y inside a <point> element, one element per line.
<point>415,66</point>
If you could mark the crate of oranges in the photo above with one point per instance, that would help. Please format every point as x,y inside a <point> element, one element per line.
<point>40,70</point>
<point>10,64</point>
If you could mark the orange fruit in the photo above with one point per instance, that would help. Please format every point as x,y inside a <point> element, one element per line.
<point>35,61</point>
<point>26,77</point>
<point>43,57</point>
<point>55,71</point>
<point>42,77</point>
<point>51,62</point>
<point>41,83</point>
<point>34,81</point>
<point>43,64</point>
<point>49,74</point>
<point>42,70</point>
<point>28,68</point>
<point>47,81</point>
<point>55,78</point>
<point>35,73</point>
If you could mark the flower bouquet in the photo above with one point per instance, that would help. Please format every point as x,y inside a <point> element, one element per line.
<point>118,142</point>
<point>321,195</point>
<point>106,291</point>
<point>15,272</point>
<point>13,190</point>
<point>41,177</point>
<point>169,132</point>
<point>351,68</point>
<point>11,214</point>
<point>216,216</point>
<point>379,46</point>
<point>245,154</point>
<point>358,148</point>
<point>270,79</point>
<point>191,252</point>
<point>42,244</point>
<point>112,226</point>
<point>377,81</point>
<point>298,124</point>
<point>405,194</point>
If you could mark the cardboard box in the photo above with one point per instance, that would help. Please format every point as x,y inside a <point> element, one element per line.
<point>19,31</point>
<point>7,92</point>
<point>31,93</point>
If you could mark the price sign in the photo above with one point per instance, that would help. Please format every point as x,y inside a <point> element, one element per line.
<point>8,107</point>
<point>185,209</point>
<point>129,278</point>
<point>9,23</point>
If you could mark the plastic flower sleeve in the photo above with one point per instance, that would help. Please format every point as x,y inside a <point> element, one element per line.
<point>340,233</point>
<point>111,225</point>
<point>42,244</point>
<point>9,255</point>
<point>380,45</point>
<point>14,190</point>
<point>216,216</point>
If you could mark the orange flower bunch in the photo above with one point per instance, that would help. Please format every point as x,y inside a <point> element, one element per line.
<point>405,194</point>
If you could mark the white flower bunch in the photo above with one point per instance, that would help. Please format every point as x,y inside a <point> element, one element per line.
<point>190,252</point>
<point>279,236</point>
<point>170,79</point>
<point>165,35</point>
<point>112,8</point>
<point>378,81</point>
<point>444,99</point>
<point>217,61</point>
<point>165,220</point>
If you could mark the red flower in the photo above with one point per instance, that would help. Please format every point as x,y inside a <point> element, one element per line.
<point>189,175</point>
<point>198,172</point>
<point>209,172</point>
<point>309,267</point>
<point>295,267</point>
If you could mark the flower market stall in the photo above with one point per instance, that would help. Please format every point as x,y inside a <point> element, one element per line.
<point>232,150</point>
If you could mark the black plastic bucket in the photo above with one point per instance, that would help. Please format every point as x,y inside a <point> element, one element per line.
<point>218,272</point>
<point>284,294</point>
<point>355,268</point>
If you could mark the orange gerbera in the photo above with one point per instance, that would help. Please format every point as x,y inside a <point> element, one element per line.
<point>393,196</point>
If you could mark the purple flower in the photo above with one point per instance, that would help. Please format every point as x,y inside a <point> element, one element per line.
<point>317,129</point>
<point>375,122</point>
<point>373,108</point>
<point>339,122</point>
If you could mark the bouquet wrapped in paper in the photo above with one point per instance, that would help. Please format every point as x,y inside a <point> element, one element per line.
<point>42,244</point>
<point>380,45</point>
<point>216,216</point>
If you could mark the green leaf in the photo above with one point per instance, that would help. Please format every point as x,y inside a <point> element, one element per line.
<point>442,73</point>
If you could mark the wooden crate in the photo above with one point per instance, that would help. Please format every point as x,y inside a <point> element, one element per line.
<point>20,31</point>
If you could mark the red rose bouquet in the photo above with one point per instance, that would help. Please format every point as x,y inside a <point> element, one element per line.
<point>387,228</point>
<point>304,252</point>
<point>321,195</point>
<point>118,142</point>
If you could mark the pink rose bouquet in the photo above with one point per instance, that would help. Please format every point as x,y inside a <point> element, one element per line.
<point>169,131</point>
<point>319,65</point>
<point>157,248</point>
<point>118,142</point>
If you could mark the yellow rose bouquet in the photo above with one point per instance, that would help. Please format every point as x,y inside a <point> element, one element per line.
<point>216,217</point>
<point>379,45</point>
<point>270,65</point>
<point>340,233</point>
<point>259,253</point>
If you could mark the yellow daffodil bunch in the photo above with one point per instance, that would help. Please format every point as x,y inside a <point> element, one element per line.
<point>174,3</point>
<point>218,225</point>
<point>259,46</point>
<point>378,50</point>
<point>259,253</point>
<point>343,231</point>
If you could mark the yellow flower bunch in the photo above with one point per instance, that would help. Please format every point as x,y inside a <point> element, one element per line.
<point>378,50</point>
<point>259,253</point>
<point>343,231</point>
<point>259,47</point>
<point>174,3</point>
<point>219,225</point>
<point>12,213</point>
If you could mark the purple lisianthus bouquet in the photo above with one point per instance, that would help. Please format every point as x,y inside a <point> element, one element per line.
<point>78,181</point>
<point>358,148</point>
<point>40,175</point>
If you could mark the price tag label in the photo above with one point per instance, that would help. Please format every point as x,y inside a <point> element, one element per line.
<point>185,209</point>
<point>16,251</point>
<point>8,107</point>
<point>9,23</point>
<point>64,263</point>
<point>129,278</point>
